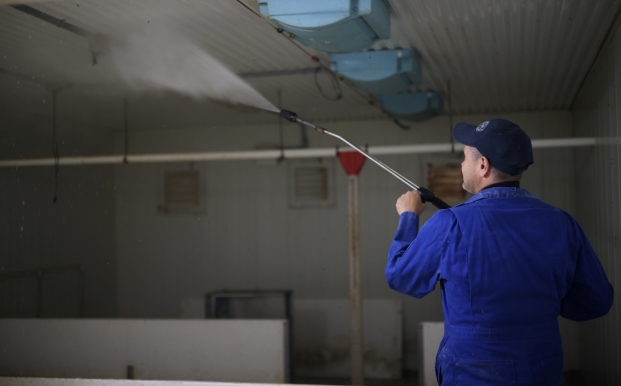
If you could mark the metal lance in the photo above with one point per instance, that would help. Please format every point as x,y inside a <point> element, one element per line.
<point>425,194</point>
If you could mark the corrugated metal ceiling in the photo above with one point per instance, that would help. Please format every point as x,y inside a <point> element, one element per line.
<point>498,55</point>
<point>504,55</point>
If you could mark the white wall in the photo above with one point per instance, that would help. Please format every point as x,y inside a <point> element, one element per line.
<point>248,238</point>
<point>598,113</point>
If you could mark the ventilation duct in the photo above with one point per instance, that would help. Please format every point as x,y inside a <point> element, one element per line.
<point>331,25</point>
<point>379,72</point>
<point>412,106</point>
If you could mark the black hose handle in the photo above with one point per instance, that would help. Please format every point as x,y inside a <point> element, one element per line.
<point>288,115</point>
<point>427,195</point>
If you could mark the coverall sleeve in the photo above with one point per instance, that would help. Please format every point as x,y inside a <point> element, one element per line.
<point>414,257</point>
<point>590,294</point>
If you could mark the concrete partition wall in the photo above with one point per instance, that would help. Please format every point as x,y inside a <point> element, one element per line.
<point>200,350</point>
<point>429,337</point>
<point>15,381</point>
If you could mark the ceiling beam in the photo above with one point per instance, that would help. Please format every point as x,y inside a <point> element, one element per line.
<point>13,2</point>
<point>52,20</point>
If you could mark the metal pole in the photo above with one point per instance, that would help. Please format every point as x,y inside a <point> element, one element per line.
<point>81,285</point>
<point>355,292</point>
<point>450,108</point>
<point>40,294</point>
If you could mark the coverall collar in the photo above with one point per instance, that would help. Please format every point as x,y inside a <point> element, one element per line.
<point>504,184</point>
<point>498,192</point>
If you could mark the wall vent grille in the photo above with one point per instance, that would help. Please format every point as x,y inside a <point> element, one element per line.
<point>311,185</point>
<point>181,192</point>
<point>181,187</point>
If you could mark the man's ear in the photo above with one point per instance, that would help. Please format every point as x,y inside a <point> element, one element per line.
<point>485,168</point>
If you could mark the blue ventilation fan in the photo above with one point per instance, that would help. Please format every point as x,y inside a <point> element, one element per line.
<point>414,107</point>
<point>331,25</point>
<point>379,72</point>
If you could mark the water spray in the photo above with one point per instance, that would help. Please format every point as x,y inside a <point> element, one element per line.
<point>425,194</point>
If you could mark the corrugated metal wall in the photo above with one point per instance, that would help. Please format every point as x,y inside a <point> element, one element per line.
<point>598,201</point>
<point>36,233</point>
<point>250,239</point>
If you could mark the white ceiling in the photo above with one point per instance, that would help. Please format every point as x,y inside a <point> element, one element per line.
<point>497,55</point>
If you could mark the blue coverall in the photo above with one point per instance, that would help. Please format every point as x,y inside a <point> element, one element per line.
<point>508,265</point>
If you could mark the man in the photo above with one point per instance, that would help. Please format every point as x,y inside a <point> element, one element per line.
<point>508,265</point>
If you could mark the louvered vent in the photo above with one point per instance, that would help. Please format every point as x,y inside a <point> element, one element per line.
<point>181,188</point>
<point>181,192</point>
<point>445,180</point>
<point>310,186</point>
<point>311,183</point>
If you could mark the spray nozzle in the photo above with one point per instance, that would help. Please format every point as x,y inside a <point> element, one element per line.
<point>289,115</point>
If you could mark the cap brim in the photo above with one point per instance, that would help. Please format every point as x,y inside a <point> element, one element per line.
<point>465,133</point>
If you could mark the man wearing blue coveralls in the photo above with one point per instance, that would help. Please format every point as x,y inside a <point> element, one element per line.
<point>508,265</point>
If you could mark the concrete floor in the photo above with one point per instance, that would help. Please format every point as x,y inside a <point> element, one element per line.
<point>410,380</point>
<point>572,378</point>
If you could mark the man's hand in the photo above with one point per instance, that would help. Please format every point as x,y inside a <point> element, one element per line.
<point>410,202</point>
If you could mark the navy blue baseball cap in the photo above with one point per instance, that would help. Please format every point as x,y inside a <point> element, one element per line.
<point>503,143</point>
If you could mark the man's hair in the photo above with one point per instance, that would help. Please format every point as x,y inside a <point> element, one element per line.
<point>497,174</point>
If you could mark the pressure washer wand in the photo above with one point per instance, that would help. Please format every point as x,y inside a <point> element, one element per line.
<point>425,194</point>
